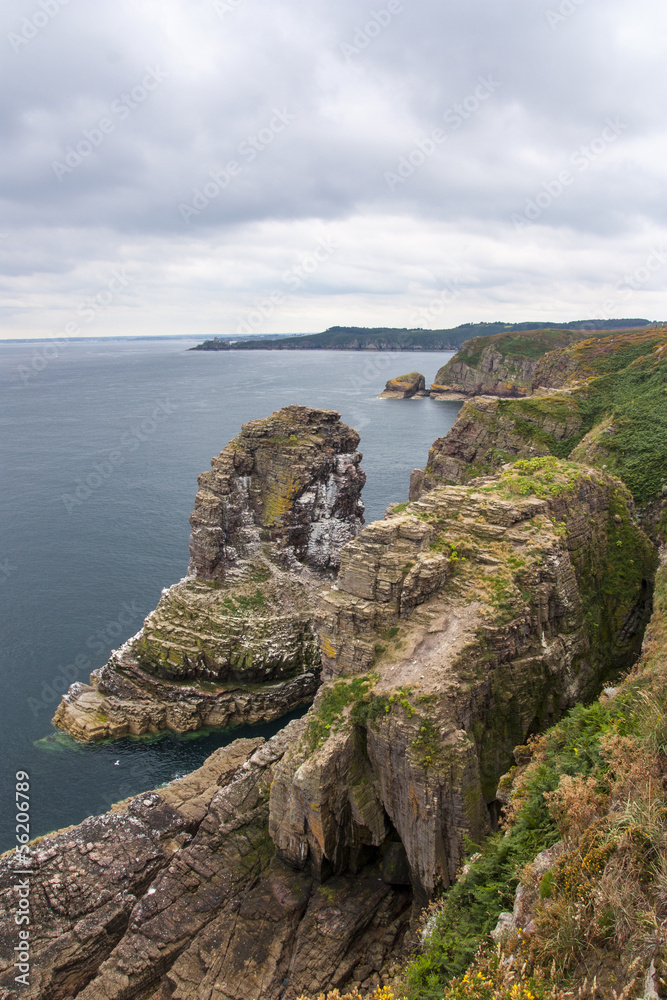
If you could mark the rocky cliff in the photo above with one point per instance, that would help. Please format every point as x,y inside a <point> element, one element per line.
<point>290,481</point>
<point>177,893</point>
<point>601,401</point>
<point>502,365</point>
<point>234,642</point>
<point>579,869</point>
<point>488,432</point>
<point>456,627</point>
<point>405,387</point>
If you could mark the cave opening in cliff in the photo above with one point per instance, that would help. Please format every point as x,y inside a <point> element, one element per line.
<point>495,810</point>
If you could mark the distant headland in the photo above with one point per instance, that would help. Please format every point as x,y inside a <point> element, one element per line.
<point>357,338</point>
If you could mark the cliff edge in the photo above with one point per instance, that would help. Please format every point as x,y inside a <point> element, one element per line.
<point>457,627</point>
<point>600,401</point>
<point>504,364</point>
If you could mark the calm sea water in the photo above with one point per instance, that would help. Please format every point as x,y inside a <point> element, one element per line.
<point>100,451</point>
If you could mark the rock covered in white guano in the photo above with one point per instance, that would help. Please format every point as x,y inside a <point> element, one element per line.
<point>234,641</point>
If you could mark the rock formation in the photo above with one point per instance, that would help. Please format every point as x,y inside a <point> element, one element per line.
<point>177,894</point>
<point>405,387</point>
<point>505,364</point>
<point>234,642</point>
<point>457,626</point>
<point>488,432</point>
<point>446,634</point>
<point>599,401</point>
<point>475,617</point>
<point>291,481</point>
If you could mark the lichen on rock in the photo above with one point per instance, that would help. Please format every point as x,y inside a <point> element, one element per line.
<point>291,480</point>
<point>405,387</point>
<point>477,616</point>
<point>234,641</point>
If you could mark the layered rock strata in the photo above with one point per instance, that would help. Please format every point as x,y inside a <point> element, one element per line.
<point>458,626</point>
<point>405,387</point>
<point>490,374</point>
<point>177,894</point>
<point>489,432</point>
<point>505,364</point>
<point>234,642</point>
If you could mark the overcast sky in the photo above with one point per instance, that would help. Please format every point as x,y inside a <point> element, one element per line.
<point>220,166</point>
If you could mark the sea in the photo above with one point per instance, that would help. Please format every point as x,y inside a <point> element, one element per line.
<point>101,443</point>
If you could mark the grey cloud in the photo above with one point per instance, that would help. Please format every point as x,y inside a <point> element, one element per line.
<point>363,100</point>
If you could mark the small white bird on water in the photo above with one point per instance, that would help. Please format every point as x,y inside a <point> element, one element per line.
<point>116,763</point>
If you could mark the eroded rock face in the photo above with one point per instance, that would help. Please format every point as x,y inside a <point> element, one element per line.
<point>292,480</point>
<point>234,641</point>
<point>177,894</point>
<point>488,432</point>
<point>508,364</point>
<point>405,386</point>
<point>459,625</point>
<point>493,374</point>
<point>475,616</point>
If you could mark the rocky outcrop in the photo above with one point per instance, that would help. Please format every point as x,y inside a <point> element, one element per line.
<point>457,627</point>
<point>502,365</point>
<point>291,481</point>
<point>234,641</point>
<point>599,401</point>
<point>489,432</point>
<point>177,894</point>
<point>405,387</point>
<point>490,376</point>
<point>515,363</point>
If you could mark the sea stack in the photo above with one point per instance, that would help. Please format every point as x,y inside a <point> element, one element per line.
<point>405,387</point>
<point>234,642</point>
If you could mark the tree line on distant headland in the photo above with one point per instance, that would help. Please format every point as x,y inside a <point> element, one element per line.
<point>355,338</point>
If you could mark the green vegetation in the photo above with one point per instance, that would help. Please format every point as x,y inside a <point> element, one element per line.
<point>528,344</point>
<point>531,415</point>
<point>427,747</point>
<point>632,390</point>
<point>541,477</point>
<point>613,415</point>
<point>334,700</point>
<point>591,784</point>
<point>342,338</point>
<point>242,603</point>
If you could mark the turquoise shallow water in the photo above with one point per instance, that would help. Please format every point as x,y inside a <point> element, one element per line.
<point>100,450</point>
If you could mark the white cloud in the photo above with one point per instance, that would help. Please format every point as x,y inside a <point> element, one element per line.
<point>352,119</point>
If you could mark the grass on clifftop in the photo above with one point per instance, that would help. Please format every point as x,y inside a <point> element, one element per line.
<point>613,416</point>
<point>621,380</point>
<point>635,396</point>
<point>596,916</point>
<point>529,345</point>
<point>334,700</point>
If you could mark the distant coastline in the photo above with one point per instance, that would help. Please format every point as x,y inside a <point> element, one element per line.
<point>352,338</point>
